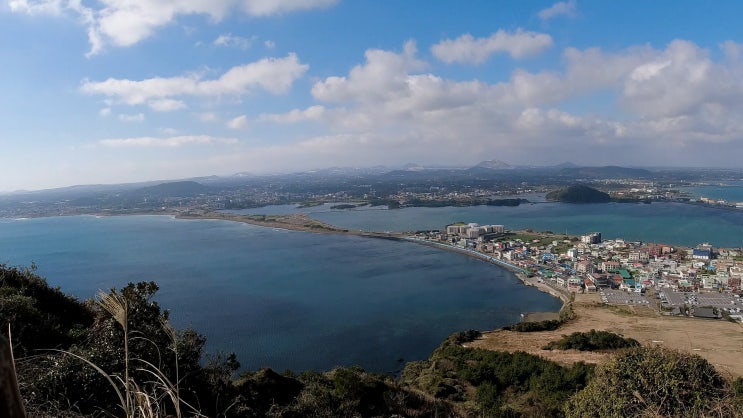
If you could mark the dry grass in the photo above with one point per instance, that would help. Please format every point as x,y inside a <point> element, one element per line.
<point>720,342</point>
<point>144,399</point>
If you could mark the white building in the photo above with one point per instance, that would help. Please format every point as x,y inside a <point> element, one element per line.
<point>592,238</point>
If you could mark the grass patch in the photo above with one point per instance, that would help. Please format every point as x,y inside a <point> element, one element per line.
<point>592,341</point>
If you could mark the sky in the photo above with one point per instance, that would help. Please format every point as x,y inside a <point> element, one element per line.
<point>114,91</point>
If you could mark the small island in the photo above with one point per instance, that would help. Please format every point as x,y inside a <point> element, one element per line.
<point>578,194</point>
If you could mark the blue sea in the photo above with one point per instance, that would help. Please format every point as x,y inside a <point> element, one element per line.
<point>671,223</point>
<point>280,299</point>
<point>296,300</point>
<point>732,191</point>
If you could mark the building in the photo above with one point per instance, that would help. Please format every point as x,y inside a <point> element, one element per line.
<point>701,254</point>
<point>473,230</point>
<point>592,238</point>
<point>607,266</point>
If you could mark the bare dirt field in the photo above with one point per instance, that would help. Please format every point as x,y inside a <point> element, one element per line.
<point>719,341</point>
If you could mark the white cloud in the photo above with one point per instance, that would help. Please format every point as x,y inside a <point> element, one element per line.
<point>563,8</point>
<point>295,115</point>
<point>272,7</point>
<point>208,117</point>
<point>166,105</point>
<point>238,123</point>
<point>275,75</point>
<point>126,22</point>
<point>139,117</point>
<point>54,7</point>
<point>647,71</point>
<point>381,77</point>
<point>269,44</point>
<point>666,97</point>
<point>682,80</point>
<point>733,50</point>
<point>467,49</point>
<point>169,131</point>
<point>105,112</point>
<point>229,40</point>
<point>169,142</point>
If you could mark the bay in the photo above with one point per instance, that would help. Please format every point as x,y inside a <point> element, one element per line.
<point>663,222</point>
<point>731,191</point>
<point>281,299</point>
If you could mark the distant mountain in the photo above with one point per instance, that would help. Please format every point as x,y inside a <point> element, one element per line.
<point>492,165</point>
<point>578,194</point>
<point>605,172</point>
<point>566,164</point>
<point>413,167</point>
<point>341,171</point>
<point>173,189</point>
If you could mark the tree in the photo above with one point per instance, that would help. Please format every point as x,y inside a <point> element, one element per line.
<point>650,381</point>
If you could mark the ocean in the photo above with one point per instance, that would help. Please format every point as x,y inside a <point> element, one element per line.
<point>661,222</point>
<point>732,191</point>
<point>279,299</point>
<point>295,300</point>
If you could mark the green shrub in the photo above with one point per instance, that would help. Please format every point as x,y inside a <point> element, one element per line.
<point>548,325</point>
<point>650,381</point>
<point>591,341</point>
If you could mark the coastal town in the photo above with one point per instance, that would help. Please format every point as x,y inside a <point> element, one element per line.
<point>702,282</point>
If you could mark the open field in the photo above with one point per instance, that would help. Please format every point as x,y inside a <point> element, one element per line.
<point>719,341</point>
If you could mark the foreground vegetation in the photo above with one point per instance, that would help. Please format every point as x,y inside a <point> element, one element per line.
<point>592,341</point>
<point>118,356</point>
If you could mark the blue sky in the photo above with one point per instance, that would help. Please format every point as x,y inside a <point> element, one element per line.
<point>113,91</point>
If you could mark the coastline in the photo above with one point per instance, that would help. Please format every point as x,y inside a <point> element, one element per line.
<point>304,223</point>
<point>717,341</point>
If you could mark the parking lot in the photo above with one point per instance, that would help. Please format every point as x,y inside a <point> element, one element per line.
<point>620,297</point>
<point>725,301</point>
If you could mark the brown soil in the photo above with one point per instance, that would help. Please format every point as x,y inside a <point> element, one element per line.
<point>719,341</point>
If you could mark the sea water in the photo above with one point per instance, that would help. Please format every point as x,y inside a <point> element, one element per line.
<point>731,191</point>
<point>661,222</point>
<point>277,298</point>
<point>299,300</point>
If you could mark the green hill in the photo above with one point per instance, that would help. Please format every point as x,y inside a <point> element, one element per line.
<point>146,368</point>
<point>578,194</point>
<point>173,189</point>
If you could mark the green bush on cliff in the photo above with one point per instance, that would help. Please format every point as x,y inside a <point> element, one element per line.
<point>39,316</point>
<point>592,340</point>
<point>454,381</point>
<point>653,381</point>
<point>492,383</point>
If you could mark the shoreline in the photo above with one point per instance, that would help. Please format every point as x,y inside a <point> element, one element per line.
<point>517,271</point>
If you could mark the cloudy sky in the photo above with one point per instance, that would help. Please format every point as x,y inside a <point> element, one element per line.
<point>108,91</point>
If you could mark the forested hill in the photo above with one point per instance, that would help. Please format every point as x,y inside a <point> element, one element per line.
<point>118,356</point>
<point>578,194</point>
<point>173,189</point>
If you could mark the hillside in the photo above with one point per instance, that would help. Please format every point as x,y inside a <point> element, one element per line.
<point>578,194</point>
<point>126,326</point>
<point>605,172</point>
<point>173,189</point>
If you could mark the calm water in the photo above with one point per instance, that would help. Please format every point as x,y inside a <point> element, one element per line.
<point>672,223</point>
<point>279,298</point>
<point>731,191</point>
<point>307,301</point>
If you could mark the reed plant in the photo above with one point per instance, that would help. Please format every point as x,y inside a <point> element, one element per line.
<point>151,396</point>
